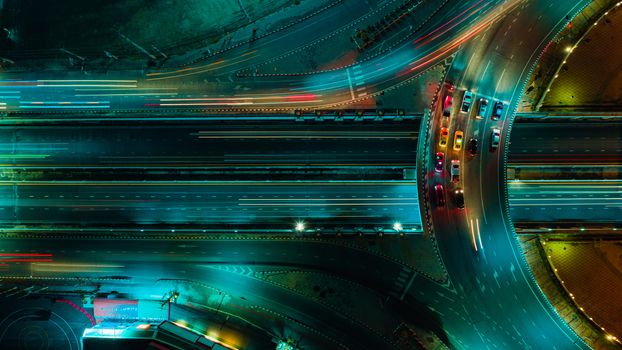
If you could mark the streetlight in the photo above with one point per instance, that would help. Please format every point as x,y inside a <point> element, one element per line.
<point>397,226</point>
<point>300,226</point>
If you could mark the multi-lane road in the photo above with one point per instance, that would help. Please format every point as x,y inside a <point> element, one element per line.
<point>479,247</point>
<point>41,162</point>
<point>276,205</point>
<point>146,268</point>
<point>566,201</point>
<point>195,145</point>
<point>570,143</point>
<point>187,145</point>
<point>324,174</point>
<point>200,87</point>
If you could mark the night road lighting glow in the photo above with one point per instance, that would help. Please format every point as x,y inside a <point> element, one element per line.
<point>276,175</point>
<point>300,226</point>
<point>397,226</point>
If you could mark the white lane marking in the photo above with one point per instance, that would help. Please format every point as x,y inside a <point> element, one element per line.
<point>479,236</point>
<point>499,81</point>
<point>350,83</point>
<point>473,235</point>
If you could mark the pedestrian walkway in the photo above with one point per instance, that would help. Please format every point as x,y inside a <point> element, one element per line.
<point>581,84</point>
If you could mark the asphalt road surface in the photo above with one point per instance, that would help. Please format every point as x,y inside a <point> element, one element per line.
<point>566,201</point>
<point>273,204</point>
<point>150,263</point>
<point>571,143</point>
<point>442,36</point>
<point>205,145</point>
<point>482,255</point>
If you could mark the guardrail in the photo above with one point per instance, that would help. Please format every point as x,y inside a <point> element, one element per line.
<point>180,232</point>
<point>318,115</point>
<point>570,116</point>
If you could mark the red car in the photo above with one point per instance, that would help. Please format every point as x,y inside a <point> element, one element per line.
<point>447,103</point>
<point>439,195</point>
<point>439,162</point>
<point>449,99</point>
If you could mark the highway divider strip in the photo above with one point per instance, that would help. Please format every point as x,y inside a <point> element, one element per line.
<point>422,160</point>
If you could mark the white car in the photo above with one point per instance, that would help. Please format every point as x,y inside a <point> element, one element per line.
<point>455,170</point>
<point>494,140</point>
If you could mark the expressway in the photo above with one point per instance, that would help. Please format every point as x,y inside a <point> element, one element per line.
<point>491,300</point>
<point>565,201</point>
<point>328,175</point>
<point>200,144</point>
<point>570,143</point>
<point>559,147</point>
<point>233,148</point>
<point>260,204</point>
<point>445,32</point>
<point>146,268</point>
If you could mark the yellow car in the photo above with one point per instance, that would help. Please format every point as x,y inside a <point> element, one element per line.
<point>458,139</point>
<point>444,137</point>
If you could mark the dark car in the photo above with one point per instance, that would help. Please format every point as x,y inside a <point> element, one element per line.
<point>439,162</point>
<point>497,111</point>
<point>459,197</point>
<point>472,146</point>
<point>439,195</point>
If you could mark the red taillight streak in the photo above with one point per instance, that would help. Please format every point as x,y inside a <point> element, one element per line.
<point>446,23</point>
<point>25,254</point>
<point>301,97</point>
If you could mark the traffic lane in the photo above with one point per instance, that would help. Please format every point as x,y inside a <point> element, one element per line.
<point>458,244</point>
<point>280,204</point>
<point>546,201</point>
<point>96,256</point>
<point>148,262</point>
<point>452,231</point>
<point>566,143</point>
<point>323,24</point>
<point>319,316</point>
<point>497,271</point>
<point>410,19</point>
<point>146,146</point>
<point>149,279</point>
<point>447,32</point>
<point>451,29</point>
<point>506,272</point>
<point>516,314</point>
<point>282,44</point>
